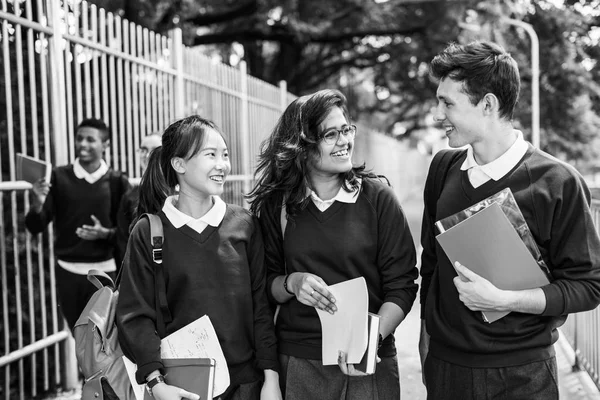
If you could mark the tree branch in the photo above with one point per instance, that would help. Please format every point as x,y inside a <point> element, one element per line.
<point>247,8</point>
<point>290,37</point>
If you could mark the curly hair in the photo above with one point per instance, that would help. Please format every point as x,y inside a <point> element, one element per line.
<point>482,67</point>
<point>282,172</point>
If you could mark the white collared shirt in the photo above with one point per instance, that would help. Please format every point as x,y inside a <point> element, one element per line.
<point>213,217</point>
<point>480,174</point>
<point>342,196</point>
<point>81,173</point>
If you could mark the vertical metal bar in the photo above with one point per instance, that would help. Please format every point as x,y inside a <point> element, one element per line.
<point>69,59</point>
<point>141,81</point>
<point>77,55</point>
<point>89,54</point>
<point>243,129</point>
<point>95,68</point>
<point>179,92</point>
<point>154,82</point>
<point>46,141</point>
<point>34,130</point>
<point>135,77</point>
<point>13,195</point>
<point>104,73</point>
<point>113,94</point>
<point>129,131</point>
<point>147,84</point>
<point>119,101</point>
<point>59,126</point>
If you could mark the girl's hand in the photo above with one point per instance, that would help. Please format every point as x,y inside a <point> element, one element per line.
<point>311,290</point>
<point>348,369</point>
<point>270,388</point>
<point>162,391</point>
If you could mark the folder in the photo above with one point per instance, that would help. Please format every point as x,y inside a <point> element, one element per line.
<point>488,245</point>
<point>31,169</point>
<point>369,360</point>
<point>196,375</point>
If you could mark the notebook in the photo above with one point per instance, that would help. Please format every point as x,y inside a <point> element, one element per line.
<point>489,245</point>
<point>196,375</point>
<point>369,360</point>
<point>31,169</point>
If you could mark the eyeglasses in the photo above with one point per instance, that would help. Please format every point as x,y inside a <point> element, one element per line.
<point>333,135</point>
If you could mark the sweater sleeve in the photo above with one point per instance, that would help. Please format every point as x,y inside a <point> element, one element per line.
<point>136,311</point>
<point>396,256</point>
<point>428,254</point>
<point>36,222</point>
<point>573,250</point>
<point>264,329</point>
<point>270,225</point>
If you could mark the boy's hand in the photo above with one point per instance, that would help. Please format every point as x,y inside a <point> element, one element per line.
<point>40,189</point>
<point>93,232</point>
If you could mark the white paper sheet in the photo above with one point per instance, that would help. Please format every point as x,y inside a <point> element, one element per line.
<point>195,340</point>
<point>346,329</point>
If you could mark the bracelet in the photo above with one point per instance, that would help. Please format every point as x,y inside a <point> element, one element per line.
<point>153,382</point>
<point>285,285</point>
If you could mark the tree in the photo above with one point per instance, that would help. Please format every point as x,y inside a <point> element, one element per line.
<point>378,52</point>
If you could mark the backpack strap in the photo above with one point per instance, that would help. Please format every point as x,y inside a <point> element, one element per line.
<point>163,315</point>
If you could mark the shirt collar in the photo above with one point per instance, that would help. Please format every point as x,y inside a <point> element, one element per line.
<point>213,217</point>
<point>81,173</point>
<point>503,164</point>
<point>342,196</point>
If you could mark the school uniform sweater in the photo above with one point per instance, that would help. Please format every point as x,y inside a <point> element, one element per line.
<point>70,203</point>
<point>555,203</point>
<point>369,238</point>
<point>219,273</point>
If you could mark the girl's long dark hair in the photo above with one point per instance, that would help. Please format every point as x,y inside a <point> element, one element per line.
<point>282,172</point>
<point>183,138</point>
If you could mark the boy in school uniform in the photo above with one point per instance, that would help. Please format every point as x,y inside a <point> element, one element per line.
<point>80,200</point>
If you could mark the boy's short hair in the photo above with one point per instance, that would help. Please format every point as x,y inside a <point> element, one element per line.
<point>96,124</point>
<point>482,67</point>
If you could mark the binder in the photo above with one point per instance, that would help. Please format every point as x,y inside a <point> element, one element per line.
<point>31,169</point>
<point>196,375</point>
<point>488,245</point>
<point>369,360</point>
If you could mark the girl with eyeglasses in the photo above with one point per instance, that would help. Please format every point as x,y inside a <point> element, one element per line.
<point>326,221</point>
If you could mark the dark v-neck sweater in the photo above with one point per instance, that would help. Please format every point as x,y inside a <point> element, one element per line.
<point>70,204</point>
<point>219,273</point>
<point>369,238</point>
<point>555,204</point>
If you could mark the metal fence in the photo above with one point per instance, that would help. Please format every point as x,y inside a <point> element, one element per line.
<point>582,330</point>
<point>62,61</point>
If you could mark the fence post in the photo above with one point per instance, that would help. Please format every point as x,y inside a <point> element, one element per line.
<point>57,84</point>
<point>179,92</point>
<point>576,363</point>
<point>59,134</point>
<point>244,130</point>
<point>283,95</point>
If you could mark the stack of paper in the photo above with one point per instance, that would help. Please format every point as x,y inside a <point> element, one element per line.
<point>195,340</point>
<point>346,329</point>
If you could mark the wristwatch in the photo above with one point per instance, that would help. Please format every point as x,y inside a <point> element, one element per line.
<point>153,382</point>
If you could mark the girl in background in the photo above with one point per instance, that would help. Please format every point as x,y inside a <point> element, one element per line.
<point>213,264</point>
<point>342,223</point>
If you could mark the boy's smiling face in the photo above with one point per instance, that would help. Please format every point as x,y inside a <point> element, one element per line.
<point>90,144</point>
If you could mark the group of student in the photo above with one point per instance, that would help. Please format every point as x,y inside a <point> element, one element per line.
<point>316,220</point>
